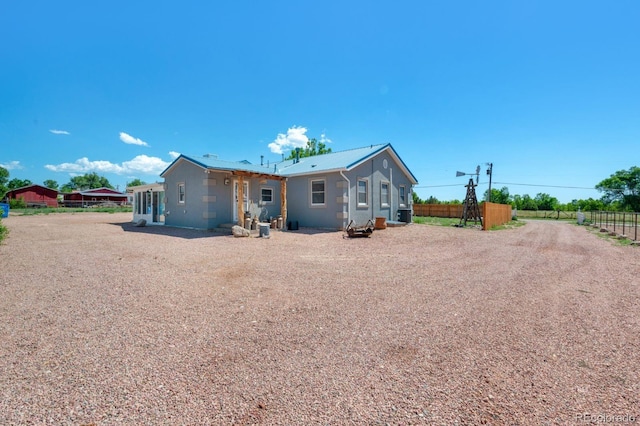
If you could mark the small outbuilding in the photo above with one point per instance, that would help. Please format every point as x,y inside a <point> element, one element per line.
<point>35,196</point>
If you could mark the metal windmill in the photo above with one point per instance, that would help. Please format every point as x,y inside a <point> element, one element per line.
<point>470,210</point>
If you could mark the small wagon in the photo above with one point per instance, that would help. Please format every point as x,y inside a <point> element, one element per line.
<point>354,231</point>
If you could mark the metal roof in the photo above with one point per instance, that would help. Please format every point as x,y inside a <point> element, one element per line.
<point>342,160</point>
<point>333,161</point>
<point>214,163</point>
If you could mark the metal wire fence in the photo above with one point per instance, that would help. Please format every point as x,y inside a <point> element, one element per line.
<point>622,223</point>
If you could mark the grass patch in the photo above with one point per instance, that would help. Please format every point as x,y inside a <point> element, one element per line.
<point>50,210</point>
<point>613,239</point>
<point>546,214</point>
<point>509,225</point>
<point>451,221</point>
<point>437,221</point>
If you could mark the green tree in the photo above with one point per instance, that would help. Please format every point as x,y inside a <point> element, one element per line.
<point>499,196</point>
<point>524,202</point>
<point>4,178</point>
<point>590,205</point>
<point>18,183</point>
<point>313,148</point>
<point>136,182</point>
<point>546,202</point>
<point>50,183</point>
<point>622,187</point>
<point>88,181</point>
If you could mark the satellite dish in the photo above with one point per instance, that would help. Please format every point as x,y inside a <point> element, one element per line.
<point>458,174</point>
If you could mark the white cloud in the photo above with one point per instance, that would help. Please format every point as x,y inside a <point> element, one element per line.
<point>11,165</point>
<point>324,139</point>
<point>139,164</point>
<point>145,164</point>
<point>128,139</point>
<point>174,154</point>
<point>59,132</point>
<point>295,138</point>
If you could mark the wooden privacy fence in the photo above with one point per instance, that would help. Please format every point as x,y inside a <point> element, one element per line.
<point>438,210</point>
<point>495,215</point>
<point>492,214</point>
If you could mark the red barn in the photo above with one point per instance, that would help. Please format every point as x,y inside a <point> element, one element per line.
<point>92,197</point>
<point>35,196</point>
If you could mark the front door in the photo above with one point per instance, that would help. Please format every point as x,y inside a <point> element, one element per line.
<point>245,198</point>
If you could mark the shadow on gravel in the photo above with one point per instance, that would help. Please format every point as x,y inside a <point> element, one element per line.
<point>186,233</point>
<point>170,231</point>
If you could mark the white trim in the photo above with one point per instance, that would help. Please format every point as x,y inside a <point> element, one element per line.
<point>184,193</point>
<point>366,192</point>
<point>388,203</point>
<point>324,192</point>
<point>400,203</point>
<point>267,203</point>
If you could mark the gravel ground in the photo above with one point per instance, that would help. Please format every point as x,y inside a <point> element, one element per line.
<point>105,323</point>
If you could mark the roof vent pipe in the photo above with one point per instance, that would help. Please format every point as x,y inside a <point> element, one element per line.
<point>262,160</point>
<point>297,155</point>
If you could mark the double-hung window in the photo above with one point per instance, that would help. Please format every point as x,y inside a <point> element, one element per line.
<point>266,195</point>
<point>317,192</point>
<point>402,195</point>
<point>181,193</point>
<point>363,192</point>
<point>384,194</point>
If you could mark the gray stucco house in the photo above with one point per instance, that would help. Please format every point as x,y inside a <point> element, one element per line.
<point>322,191</point>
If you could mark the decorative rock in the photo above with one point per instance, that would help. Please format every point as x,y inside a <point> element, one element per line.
<point>239,231</point>
<point>141,223</point>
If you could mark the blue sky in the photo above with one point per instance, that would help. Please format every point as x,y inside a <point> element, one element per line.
<point>547,91</point>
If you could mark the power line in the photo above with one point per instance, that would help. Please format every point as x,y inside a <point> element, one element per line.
<point>545,186</point>
<point>510,183</point>
<point>438,186</point>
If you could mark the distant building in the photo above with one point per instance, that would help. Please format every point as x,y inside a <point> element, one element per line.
<point>35,196</point>
<point>93,197</point>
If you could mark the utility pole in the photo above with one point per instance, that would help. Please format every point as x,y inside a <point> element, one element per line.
<point>490,173</point>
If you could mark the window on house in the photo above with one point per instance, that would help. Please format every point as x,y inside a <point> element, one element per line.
<point>384,194</point>
<point>266,195</point>
<point>181,193</point>
<point>363,192</point>
<point>317,192</point>
<point>402,196</point>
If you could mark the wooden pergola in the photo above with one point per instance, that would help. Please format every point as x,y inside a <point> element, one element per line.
<point>241,174</point>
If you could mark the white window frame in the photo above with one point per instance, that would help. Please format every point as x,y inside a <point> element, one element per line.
<point>266,188</point>
<point>384,204</point>
<point>324,192</point>
<point>366,192</point>
<point>182,195</point>
<point>402,195</point>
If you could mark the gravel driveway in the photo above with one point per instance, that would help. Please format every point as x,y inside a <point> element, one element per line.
<point>105,323</point>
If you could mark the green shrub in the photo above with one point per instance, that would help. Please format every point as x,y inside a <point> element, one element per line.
<point>17,203</point>
<point>3,231</point>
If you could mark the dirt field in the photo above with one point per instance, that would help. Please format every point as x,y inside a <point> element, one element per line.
<point>105,323</point>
